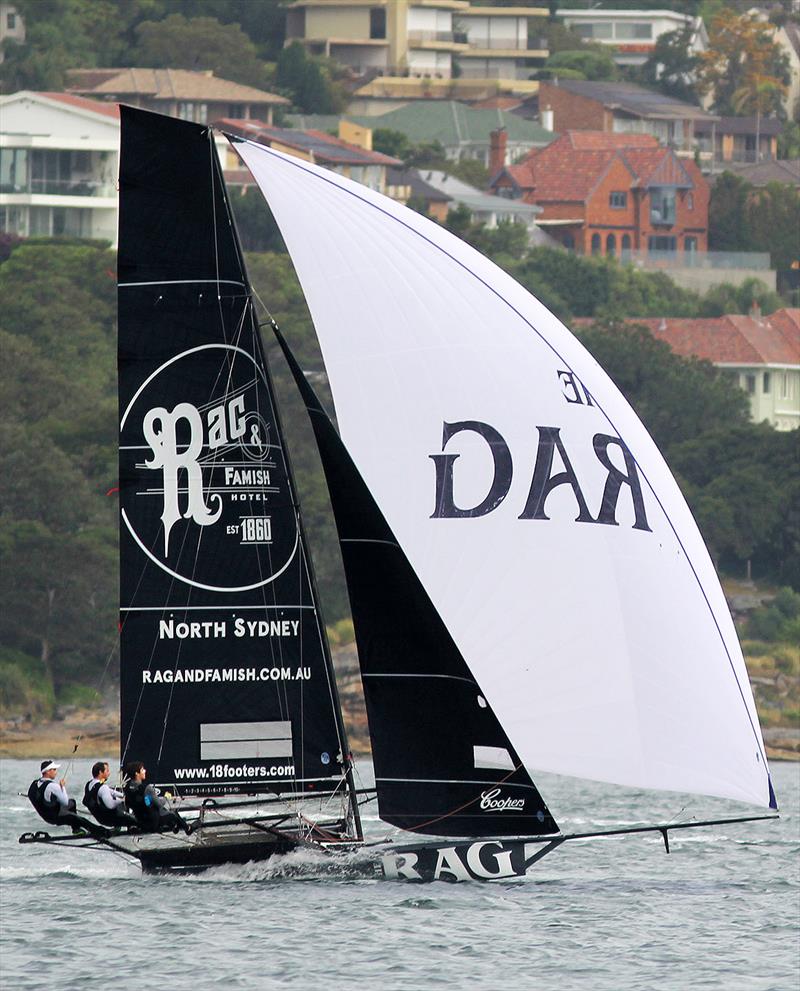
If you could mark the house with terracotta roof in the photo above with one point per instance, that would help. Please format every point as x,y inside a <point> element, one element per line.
<point>762,353</point>
<point>347,158</point>
<point>621,108</point>
<point>58,165</point>
<point>197,96</point>
<point>608,194</point>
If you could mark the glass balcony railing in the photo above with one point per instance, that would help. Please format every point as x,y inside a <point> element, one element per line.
<point>60,187</point>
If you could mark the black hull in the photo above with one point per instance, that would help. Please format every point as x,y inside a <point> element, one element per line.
<point>189,859</point>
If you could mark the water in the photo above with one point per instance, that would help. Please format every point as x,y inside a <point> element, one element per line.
<point>722,911</point>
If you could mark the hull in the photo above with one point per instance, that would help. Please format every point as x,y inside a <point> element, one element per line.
<point>160,853</point>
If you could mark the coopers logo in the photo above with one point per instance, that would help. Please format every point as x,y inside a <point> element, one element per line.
<point>491,801</point>
<point>203,476</point>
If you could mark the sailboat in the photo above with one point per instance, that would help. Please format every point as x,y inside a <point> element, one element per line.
<point>529,590</point>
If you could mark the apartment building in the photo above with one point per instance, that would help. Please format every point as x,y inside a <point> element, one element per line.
<point>434,38</point>
<point>58,165</point>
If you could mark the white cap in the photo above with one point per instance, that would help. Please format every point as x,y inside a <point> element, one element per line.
<point>48,765</point>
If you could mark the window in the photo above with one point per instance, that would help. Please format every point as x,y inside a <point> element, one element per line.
<point>766,385</point>
<point>633,32</point>
<point>594,29</point>
<point>377,22</point>
<point>660,243</point>
<point>690,245</point>
<point>595,244</point>
<point>785,391</point>
<point>750,384</point>
<point>11,21</point>
<point>236,110</point>
<point>197,112</point>
<point>618,200</point>
<point>569,242</point>
<point>662,206</point>
<point>626,242</point>
<point>611,246</point>
<point>690,200</point>
<point>13,170</point>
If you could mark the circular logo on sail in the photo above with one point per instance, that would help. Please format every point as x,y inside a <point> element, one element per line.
<point>203,480</point>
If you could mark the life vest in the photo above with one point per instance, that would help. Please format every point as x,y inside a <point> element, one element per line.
<point>144,809</point>
<point>48,808</point>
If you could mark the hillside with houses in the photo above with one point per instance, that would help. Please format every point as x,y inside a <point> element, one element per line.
<point>637,168</point>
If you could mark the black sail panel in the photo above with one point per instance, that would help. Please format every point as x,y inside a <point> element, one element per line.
<point>226,682</point>
<point>443,763</point>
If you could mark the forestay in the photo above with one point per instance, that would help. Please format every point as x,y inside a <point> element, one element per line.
<point>536,510</point>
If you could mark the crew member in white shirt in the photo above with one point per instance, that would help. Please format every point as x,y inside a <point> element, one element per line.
<point>50,799</point>
<point>106,804</point>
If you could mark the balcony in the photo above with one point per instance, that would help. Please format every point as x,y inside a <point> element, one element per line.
<point>451,37</point>
<point>59,187</point>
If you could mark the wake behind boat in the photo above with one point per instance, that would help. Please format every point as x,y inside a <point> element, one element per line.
<point>528,587</point>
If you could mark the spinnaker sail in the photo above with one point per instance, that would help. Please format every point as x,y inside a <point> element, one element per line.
<point>530,501</point>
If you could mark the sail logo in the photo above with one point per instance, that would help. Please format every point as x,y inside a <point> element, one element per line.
<point>546,476</point>
<point>492,802</point>
<point>160,433</point>
<point>203,481</point>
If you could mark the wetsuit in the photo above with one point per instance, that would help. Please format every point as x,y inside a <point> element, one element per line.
<point>151,809</point>
<point>106,804</point>
<point>51,801</point>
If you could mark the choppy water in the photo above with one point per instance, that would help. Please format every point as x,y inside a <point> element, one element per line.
<point>722,911</point>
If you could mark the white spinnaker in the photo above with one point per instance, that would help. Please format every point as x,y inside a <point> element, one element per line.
<point>606,652</point>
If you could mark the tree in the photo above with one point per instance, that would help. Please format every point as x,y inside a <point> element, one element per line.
<point>727,230</point>
<point>588,63</point>
<point>670,67</point>
<point>308,81</point>
<point>200,43</point>
<point>743,59</point>
<point>392,143</point>
<point>677,398</point>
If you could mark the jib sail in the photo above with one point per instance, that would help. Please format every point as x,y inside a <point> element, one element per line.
<point>226,681</point>
<point>443,763</point>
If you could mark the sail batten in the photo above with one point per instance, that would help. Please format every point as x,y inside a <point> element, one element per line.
<point>585,602</point>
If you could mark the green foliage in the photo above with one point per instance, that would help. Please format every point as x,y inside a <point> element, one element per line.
<point>308,80</point>
<point>255,223</point>
<point>670,67</point>
<point>744,218</point>
<point>676,398</point>
<point>778,620</point>
<point>24,686</point>
<point>727,298</point>
<point>742,484</point>
<point>200,43</point>
<point>389,142</point>
<point>588,63</point>
<point>789,140</point>
<point>598,287</point>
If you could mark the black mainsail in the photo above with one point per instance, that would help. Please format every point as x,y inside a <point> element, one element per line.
<point>226,679</point>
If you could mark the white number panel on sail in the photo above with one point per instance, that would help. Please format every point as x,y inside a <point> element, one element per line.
<point>530,500</point>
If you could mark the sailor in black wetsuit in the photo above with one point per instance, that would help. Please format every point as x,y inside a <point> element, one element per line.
<point>50,799</point>
<point>150,808</point>
<point>105,803</point>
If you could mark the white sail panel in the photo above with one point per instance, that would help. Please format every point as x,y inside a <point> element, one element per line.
<point>565,564</point>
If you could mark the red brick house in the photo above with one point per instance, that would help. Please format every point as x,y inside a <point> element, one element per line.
<point>604,193</point>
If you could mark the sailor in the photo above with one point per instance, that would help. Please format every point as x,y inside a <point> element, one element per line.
<point>50,799</point>
<point>106,804</point>
<point>151,809</point>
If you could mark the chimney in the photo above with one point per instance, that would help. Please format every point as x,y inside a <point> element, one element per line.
<point>497,150</point>
<point>755,311</point>
<point>546,118</point>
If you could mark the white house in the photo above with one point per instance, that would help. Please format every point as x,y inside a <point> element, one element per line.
<point>633,33</point>
<point>58,165</point>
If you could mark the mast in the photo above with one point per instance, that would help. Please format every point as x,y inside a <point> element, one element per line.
<point>227,685</point>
